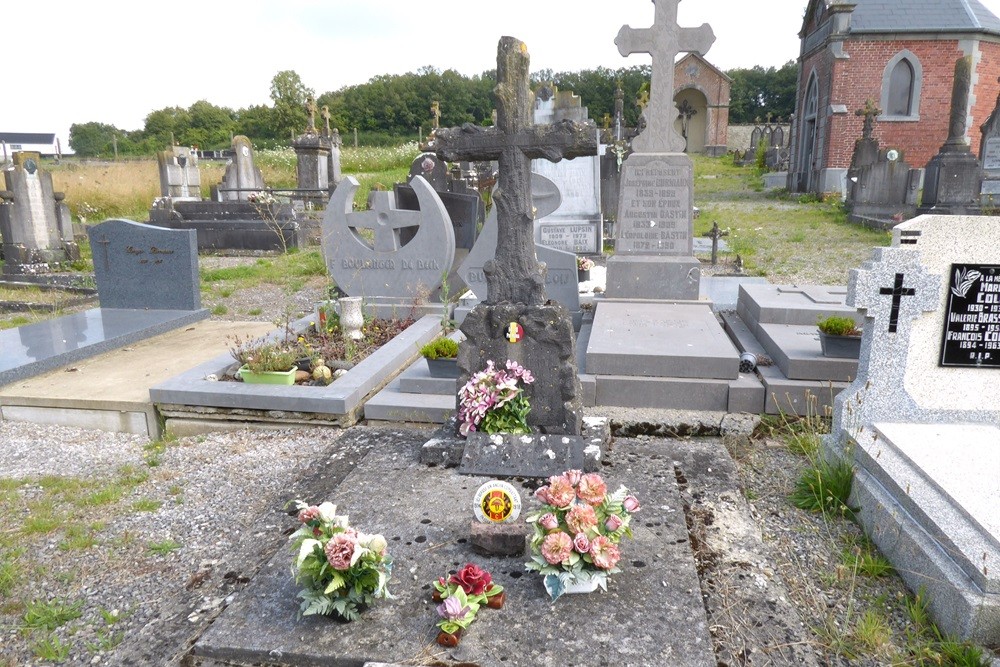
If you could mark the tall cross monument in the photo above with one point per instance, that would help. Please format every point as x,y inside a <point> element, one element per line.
<point>653,233</point>
<point>663,41</point>
<point>516,322</point>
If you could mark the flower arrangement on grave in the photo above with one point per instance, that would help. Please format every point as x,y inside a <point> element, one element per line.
<point>584,263</point>
<point>577,532</point>
<point>493,400</point>
<point>835,325</point>
<point>440,348</point>
<point>462,595</point>
<point>341,570</point>
<point>260,356</point>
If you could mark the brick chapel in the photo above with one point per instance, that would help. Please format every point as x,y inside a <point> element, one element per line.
<point>899,53</point>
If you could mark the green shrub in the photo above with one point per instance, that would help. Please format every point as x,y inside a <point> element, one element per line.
<point>825,487</point>
<point>440,348</point>
<point>838,326</point>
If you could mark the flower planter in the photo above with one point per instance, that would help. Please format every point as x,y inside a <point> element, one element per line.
<point>582,276</point>
<point>443,368</point>
<point>580,587</point>
<point>840,347</point>
<point>267,377</point>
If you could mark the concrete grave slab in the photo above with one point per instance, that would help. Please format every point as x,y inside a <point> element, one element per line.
<point>792,304</point>
<point>509,455</point>
<point>654,603</point>
<point>797,352</point>
<point>678,340</point>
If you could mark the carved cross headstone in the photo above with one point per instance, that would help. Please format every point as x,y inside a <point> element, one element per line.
<point>869,111</point>
<point>515,275</point>
<point>715,234</point>
<point>325,115</point>
<point>311,109</point>
<point>663,41</point>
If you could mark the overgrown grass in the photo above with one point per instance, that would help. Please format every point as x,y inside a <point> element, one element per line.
<point>280,270</point>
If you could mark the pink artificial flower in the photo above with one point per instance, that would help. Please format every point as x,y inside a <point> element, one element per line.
<point>631,504</point>
<point>573,476</point>
<point>604,553</point>
<point>557,547</point>
<point>581,519</point>
<point>340,551</point>
<point>613,523</point>
<point>581,543</point>
<point>308,514</point>
<point>473,579</point>
<point>561,492</point>
<point>549,521</point>
<point>592,489</point>
<point>542,493</point>
<point>451,609</point>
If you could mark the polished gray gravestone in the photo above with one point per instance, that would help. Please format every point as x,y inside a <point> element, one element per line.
<point>145,267</point>
<point>654,605</point>
<point>385,267</point>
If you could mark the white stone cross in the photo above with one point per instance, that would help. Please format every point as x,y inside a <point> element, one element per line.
<point>663,41</point>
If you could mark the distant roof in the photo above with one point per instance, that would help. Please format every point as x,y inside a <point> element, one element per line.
<point>923,16</point>
<point>28,137</point>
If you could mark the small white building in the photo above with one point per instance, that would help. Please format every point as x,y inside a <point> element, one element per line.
<point>45,143</point>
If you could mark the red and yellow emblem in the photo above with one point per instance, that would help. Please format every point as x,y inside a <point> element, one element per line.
<point>497,502</point>
<point>515,332</point>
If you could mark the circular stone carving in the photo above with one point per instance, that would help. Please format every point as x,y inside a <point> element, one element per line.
<point>363,251</point>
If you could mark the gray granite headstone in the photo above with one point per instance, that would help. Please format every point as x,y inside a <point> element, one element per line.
<point>465,210</point>
<point>385,267</point>
<point>143,267</point>
<point>242,175</point>
<point>989,152</point>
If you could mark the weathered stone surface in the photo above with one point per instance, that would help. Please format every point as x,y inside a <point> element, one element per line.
<point>242,175</point>
<point>655,207</point>
<point>499,539</point>
<point>510,455</point>
<point>145,267</point>
<point>548,350</point>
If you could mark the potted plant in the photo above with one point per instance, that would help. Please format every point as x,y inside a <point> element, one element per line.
<point>341,569</point>
<point>583,267</point>
<point>839,337</point>
<point>265,362</point>
<point>577,531</point>
<point>492,401</point>
<point>442,357</point>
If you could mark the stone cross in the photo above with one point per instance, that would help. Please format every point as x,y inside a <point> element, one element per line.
<point>311,108</point>
<point>685,111</point>
<point>663,41</point>
<point>384,220</point>
<point>515,276</point>
<point>325,114</point>
<point>436,113</point>
<point>869,111</point>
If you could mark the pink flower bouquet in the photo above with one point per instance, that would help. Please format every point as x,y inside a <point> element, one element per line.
<point>493,402</point>
<point>577,531</point>
<point>342,570</point>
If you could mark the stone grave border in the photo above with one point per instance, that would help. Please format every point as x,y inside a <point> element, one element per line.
<point>190,397</point>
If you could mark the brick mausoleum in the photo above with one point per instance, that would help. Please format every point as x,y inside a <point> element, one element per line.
<point>705,89</point>
<point>900,53</point>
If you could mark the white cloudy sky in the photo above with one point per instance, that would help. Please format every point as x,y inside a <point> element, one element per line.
<point>74,62</point>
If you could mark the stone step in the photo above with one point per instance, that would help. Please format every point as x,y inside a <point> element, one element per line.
<point>796,349</point>
<point>744,394</point>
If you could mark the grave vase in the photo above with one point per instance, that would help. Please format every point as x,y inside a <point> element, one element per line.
<point>351,317</point>
<point>443,368</point>
<point>840,347</point>
<point>580,587</point>
<point>582,275</point>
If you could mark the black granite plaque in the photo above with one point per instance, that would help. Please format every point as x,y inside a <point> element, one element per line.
<point>972,319</point>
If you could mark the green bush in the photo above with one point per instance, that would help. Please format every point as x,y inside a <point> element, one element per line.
<point>440,348</point>
<point>838,326</point>
<point>825,487</point>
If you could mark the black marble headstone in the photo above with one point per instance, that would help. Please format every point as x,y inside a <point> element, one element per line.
<point>972,319</point>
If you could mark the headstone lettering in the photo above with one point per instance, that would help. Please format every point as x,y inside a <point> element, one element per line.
<point>972,318</point>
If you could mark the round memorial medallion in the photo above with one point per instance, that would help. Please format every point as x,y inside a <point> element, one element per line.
<point>30,165</point>
<point>246,151</point>
<point>515,332</point>
<point>496,502</point>
<point>892,155</point>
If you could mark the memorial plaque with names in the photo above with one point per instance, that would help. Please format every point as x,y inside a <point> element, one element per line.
<point>991,154</point>
<point>972,318</point>
<point>580,238</point>
<point>654,211</point>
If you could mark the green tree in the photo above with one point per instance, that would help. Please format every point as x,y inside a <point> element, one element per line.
<point>289,95</point>
<point>211,126</point>
<point>757,91</point>
<point>93,139</point>
<point>160,124</point>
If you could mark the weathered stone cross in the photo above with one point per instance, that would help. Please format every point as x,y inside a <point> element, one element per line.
<point>663,41</point>
<point>514,276</point>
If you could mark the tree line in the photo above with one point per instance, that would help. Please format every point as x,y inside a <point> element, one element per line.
<point>389,109</point>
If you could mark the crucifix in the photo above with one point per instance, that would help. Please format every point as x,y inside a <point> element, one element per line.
<point>715,234</point>
<point>685,111</point>
<point>663,41</point>
<point>325,115</point>
<point>897,291</point>
<point>104,242</point>
<point>311,108</point>
<point>869,111</point>
<point>515,276</point>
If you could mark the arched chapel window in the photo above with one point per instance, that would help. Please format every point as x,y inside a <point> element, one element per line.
<point>901,88</point>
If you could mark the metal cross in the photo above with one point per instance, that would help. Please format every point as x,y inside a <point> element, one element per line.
<point>897,291</point>
<point>715,234</point>
<point>663,41</point>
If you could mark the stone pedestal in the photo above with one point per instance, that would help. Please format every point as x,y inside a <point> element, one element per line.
<point>547,347</point>
<point>952,183</point>
<point>312,155</point>
<point>653,277</point>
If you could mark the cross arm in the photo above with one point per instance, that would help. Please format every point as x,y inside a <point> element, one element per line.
<point>468,143</point>
<point>564,139</point>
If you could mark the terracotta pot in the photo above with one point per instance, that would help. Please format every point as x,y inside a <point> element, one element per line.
<point>449,640</point>
<point>436,596</point>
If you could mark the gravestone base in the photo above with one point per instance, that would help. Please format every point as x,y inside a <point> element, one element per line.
<point>532,455</point>
<point>547,349</point>
<point>653,277</point>
<point>952,183</point>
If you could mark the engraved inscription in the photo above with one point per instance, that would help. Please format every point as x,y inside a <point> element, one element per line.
<point>972,319</point>
<point>655,210</point>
